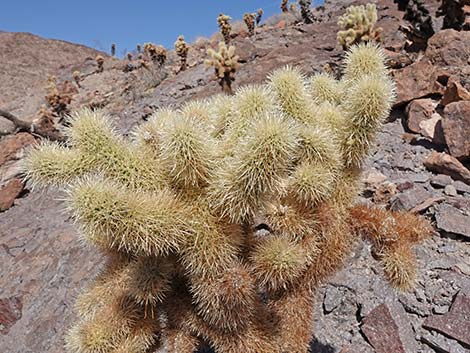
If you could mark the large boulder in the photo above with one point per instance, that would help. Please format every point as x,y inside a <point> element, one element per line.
<point>446,56</point>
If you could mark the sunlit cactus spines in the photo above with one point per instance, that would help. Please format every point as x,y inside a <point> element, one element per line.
<point>225,64</point>
<point>358,25</point>
<point>225,27</point>
<point>182,49</point>
<point>221,218</point>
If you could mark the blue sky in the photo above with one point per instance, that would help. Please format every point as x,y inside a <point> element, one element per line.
<point>99,23</point>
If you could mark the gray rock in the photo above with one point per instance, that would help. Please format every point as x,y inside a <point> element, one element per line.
<point>410,198</point>
<point>333,297</point>
<point>450,190</point>
<point>440,343</point>
<point>452,220</point>
<point>441,180</point>
<point>461,187</point>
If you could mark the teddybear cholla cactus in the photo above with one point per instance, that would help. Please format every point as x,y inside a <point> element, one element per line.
<point>249,19</point>
<point>182,49</point>
<point>357,25</point>
<point>175,212</point>
<point>157,53</point>
<point>225,27</point>
<point>225,64</point>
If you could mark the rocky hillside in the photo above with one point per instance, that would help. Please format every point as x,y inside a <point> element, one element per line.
<point>419,163</point>
<point>27,61</point>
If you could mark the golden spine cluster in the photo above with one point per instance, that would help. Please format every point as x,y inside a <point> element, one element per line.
<point>175,209</point>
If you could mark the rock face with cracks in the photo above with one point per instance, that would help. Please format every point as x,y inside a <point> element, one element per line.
<point>176,211</point>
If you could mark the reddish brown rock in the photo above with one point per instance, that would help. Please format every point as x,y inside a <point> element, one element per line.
<point>446,56</point>
<point>456,323</point>
<point>442,163</point>
<point>416,81</point>
<point>10,312</point>
<point>11,145</point>
<point>9,193</point>
<point>382,331</point>
<point>454,92</point>
<point>456,128</point>
<point>423,119</point>
<point>417,111</point>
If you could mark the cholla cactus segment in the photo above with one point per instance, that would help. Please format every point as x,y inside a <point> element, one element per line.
<point>324,88</point>
<point>289,85</point>
<point>249,19</point>
<point>358,25</point>
<point>182,50</point>
<point>222,217</point>
<point>225,27</point>
<point>225,64</point>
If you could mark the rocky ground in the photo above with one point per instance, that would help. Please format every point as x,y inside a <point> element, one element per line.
<point>419,163</point>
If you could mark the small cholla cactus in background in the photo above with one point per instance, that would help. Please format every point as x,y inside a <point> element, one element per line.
<point>284,7</point>
<point>305,11</point>
<point>225,64</point>
<point>77,77</point>
<point>129,56</point>
<point>156,52</point>
<point>418,16</point>
<point>176,209</point>
<point>456,14</point>
<point>100,62</point>
<point>358,25</point>
<point>249,19</point>
<point>182,48</point>
<point>225,27</point>
<point>113,49</point>
<point>59,96</point>
<point>139,48</point>
<point>259,14</point>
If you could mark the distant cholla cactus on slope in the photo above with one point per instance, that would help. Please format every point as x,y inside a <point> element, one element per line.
<point>174,211</point>
<point>156,52</point>
<point>225,27</point>
<point>225,64</point>
<point>357,25</point>
<point>249,19</point>
<point>182,49</point>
